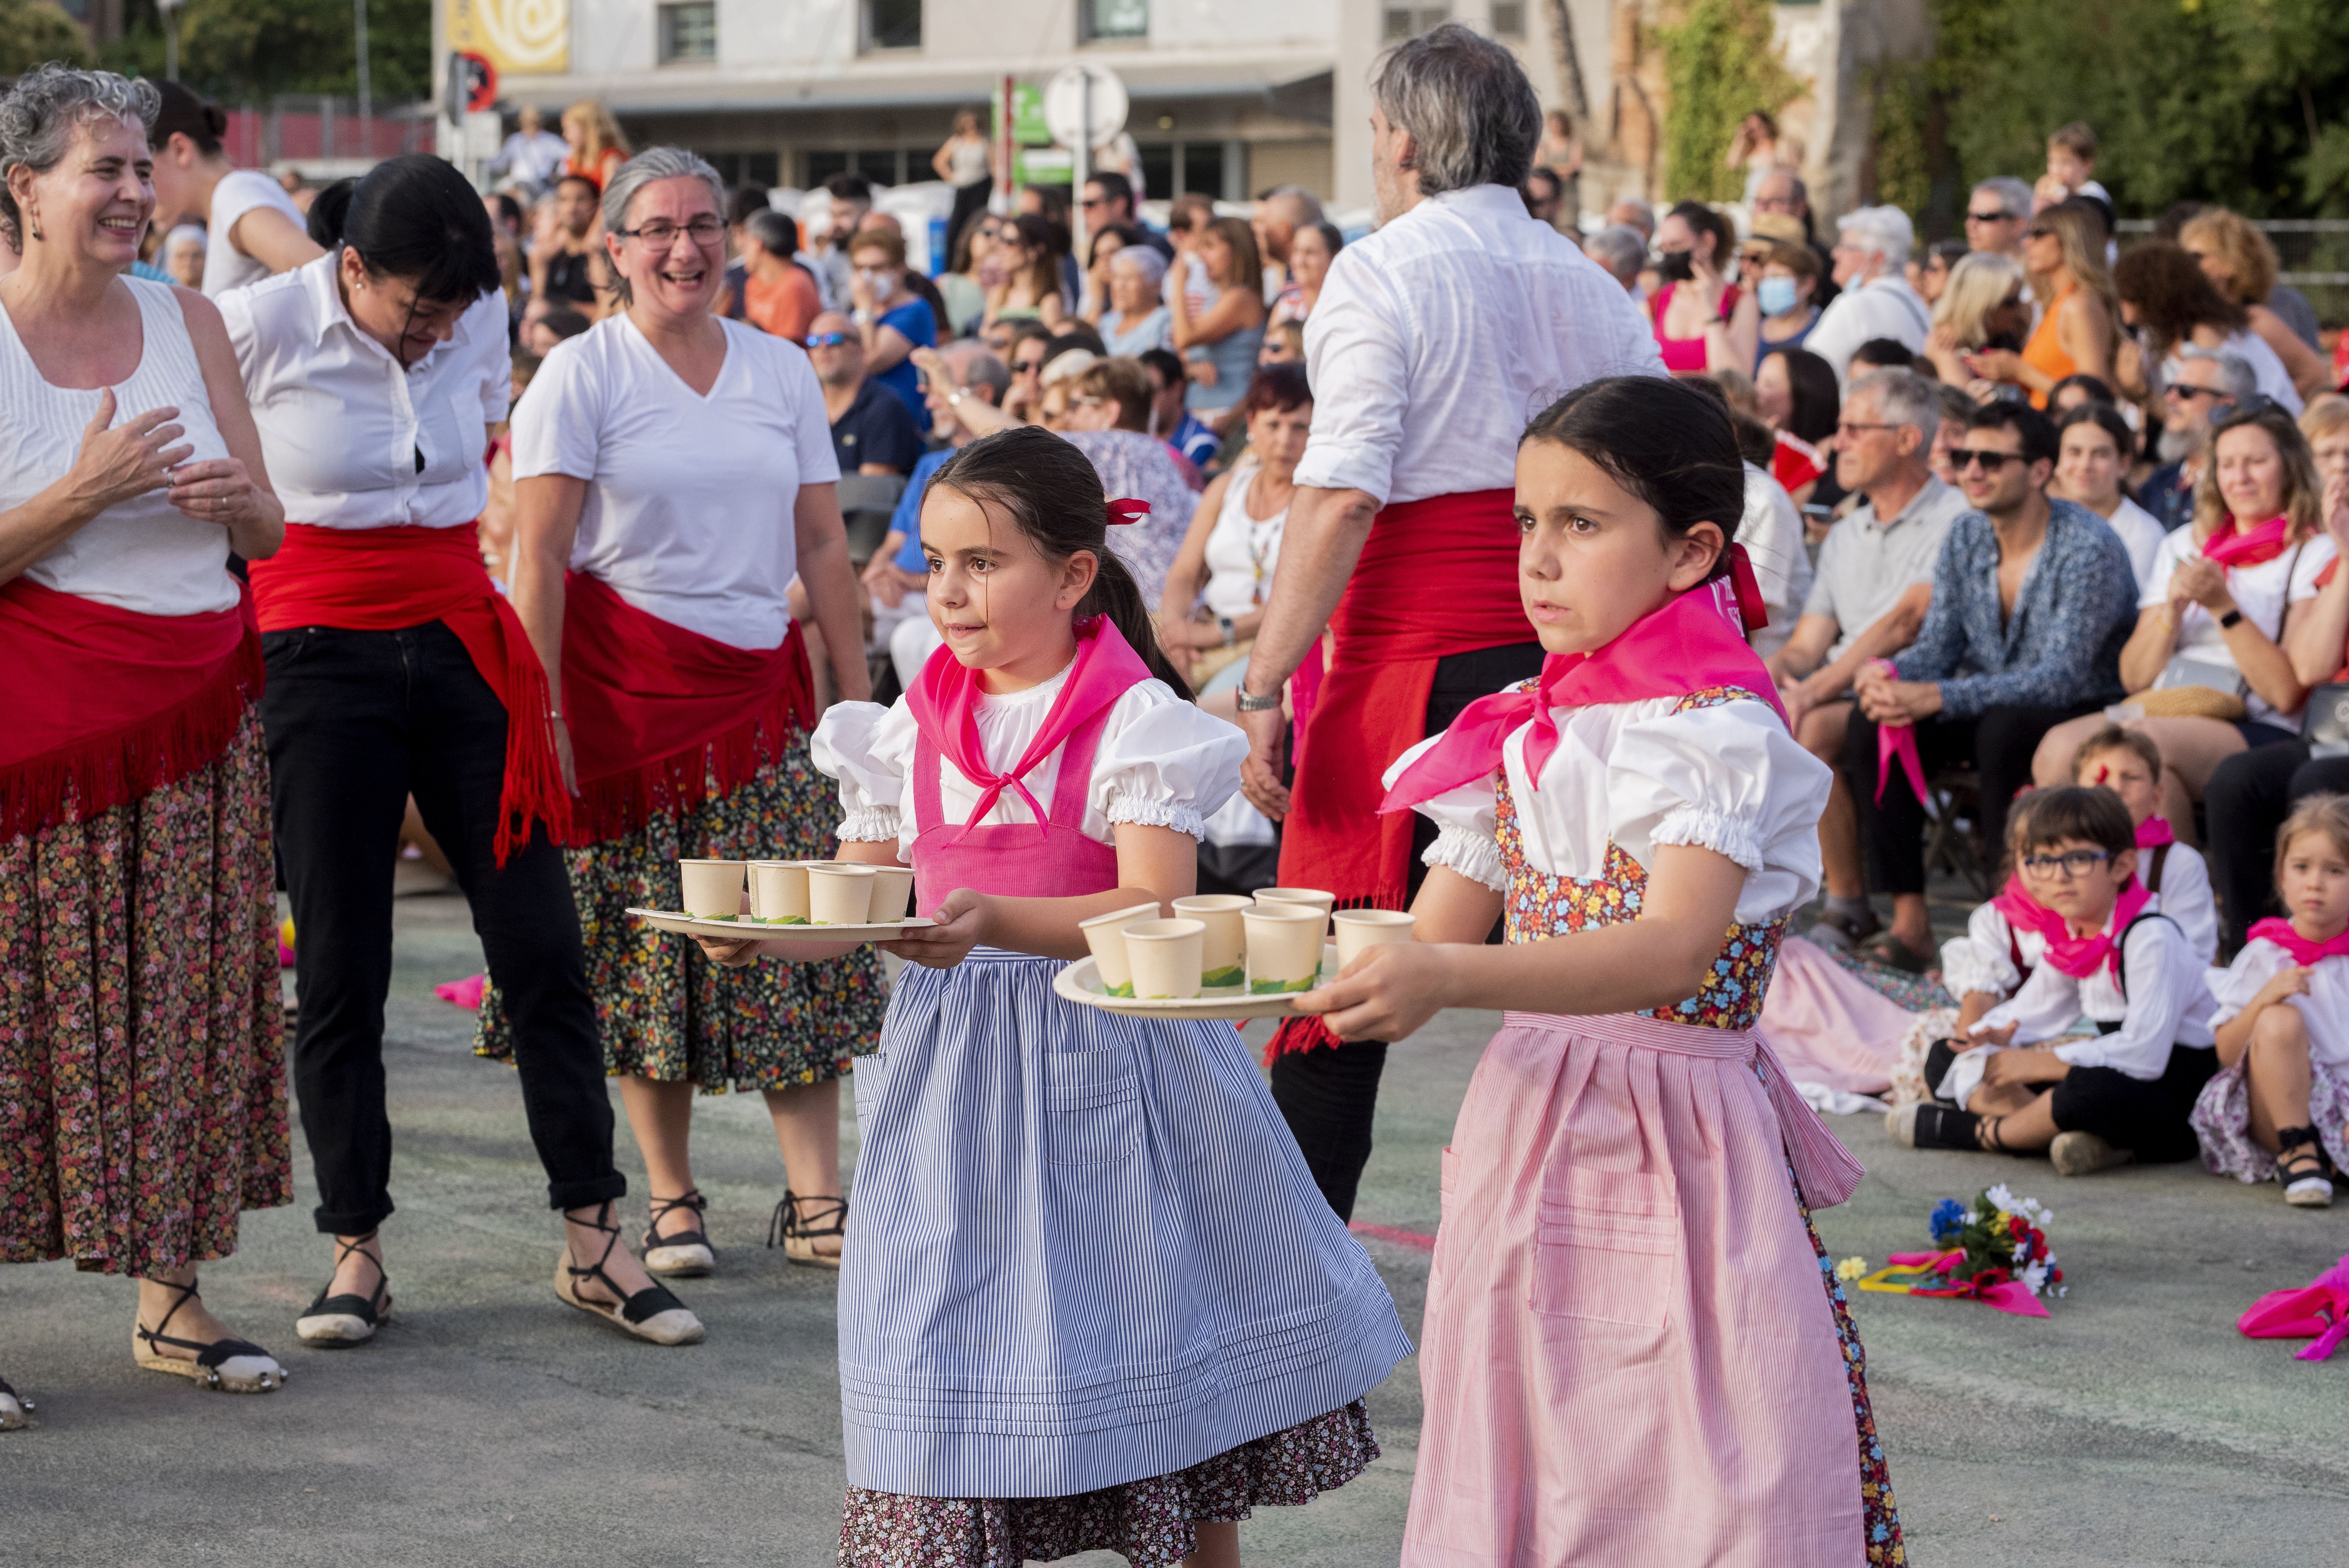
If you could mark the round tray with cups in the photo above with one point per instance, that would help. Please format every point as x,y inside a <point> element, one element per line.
<point>1221,955</point>
<point>803,901</point>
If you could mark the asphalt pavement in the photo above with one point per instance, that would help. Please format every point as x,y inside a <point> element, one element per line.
<point>491,1425</point>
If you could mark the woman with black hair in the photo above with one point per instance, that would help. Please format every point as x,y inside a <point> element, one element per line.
<point>1702,320</point>
<point>252,227</point>
<point>396,668</point>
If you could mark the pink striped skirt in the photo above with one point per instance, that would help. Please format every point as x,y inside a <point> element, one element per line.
<point>1634,1353</point>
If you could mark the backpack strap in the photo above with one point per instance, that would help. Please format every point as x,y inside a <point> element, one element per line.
<point>2160,861</point>
<point>2015,952</point>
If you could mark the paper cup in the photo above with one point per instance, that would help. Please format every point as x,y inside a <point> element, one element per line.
<point>840,895</point>
<point>1104,936</point>
<point>779,892</point>
<point>1361,928</point>
<point>1221,964</point>
<point>1164,955</point>
<point>1302,896</point>
<point>713,889</point>
<point>1284,947</point>
<point>893,890</point>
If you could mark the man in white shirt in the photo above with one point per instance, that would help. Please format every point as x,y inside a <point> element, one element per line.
<point>1434,340</point>
<point>533,153</point>
<point>1870,252</point>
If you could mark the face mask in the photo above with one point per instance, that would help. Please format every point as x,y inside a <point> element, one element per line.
<point>1676,267</point>
<point>1775,295</point>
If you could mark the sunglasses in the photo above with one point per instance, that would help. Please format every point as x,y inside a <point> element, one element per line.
<point>1964,457</point>
<point>2179,389</point>
<point>1992,217</point>
<point>826,339</point>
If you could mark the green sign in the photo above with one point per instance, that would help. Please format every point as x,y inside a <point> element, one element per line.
<point>1046,166</point>
<point>1027,126</point>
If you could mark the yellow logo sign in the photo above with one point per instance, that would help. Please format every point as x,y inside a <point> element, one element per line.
<point>519,36</point>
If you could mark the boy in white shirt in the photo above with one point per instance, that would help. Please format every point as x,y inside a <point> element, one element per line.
<point>2128,763</point>
<point>2091,1103</point>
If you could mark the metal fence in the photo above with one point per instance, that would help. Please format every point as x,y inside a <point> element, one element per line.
<point>313,130</point>
<point>2316,256</point>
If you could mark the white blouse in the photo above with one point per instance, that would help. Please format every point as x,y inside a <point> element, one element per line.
<point>1639,776</point>
<point>1982,960</point>
<point>2166,1003</point>
<point>352,439</point>
<point>2260,591</point>
<point>1162,763</point>
<point>690,508</point>
<point>2325,1008</point>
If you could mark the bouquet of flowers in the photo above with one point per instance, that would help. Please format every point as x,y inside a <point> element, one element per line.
<point>1993,1250</point>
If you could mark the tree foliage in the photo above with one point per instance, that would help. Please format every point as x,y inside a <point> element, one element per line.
<point>34,31</point>
<point>249,51</point>
<point>1720,66</point>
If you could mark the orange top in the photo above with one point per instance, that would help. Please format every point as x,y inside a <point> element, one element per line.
<point>2044,352</point>
<point>783,307</point>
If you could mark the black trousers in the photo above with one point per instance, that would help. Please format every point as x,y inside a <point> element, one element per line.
<point>357,721</point>
<point>2245,803</point>
<point>2148,1119</point>
<point>1329,1097</point>
<point>1998,742</point>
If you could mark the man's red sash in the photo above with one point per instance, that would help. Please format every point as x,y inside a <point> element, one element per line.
<point>105,704</point>
<point>387,579</point>
<point>1437,576</point>
<point>656,710</point>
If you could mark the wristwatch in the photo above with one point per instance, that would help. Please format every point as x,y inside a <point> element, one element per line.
<point>1231,633</point>
<point>2231,620</point>
<point>1248,703</point>
<point>955,398</point>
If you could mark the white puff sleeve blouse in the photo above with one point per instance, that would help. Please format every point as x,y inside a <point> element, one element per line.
<point>1162,763</point>
<point>1727,777</point>
<point>2325,1008</point>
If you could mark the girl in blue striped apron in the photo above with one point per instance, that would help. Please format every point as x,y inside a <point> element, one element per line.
<point>1095,1301</point>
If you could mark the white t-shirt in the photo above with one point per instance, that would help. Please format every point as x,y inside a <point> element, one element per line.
<point>689,508</point>
<point>239,192</point>
<point>2260,591</point>
<point>2140,534</point>
<point>1772,532</point>
<point>1242,551</point>
<point>1160,763</point>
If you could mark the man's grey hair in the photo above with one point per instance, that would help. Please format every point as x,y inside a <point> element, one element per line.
<point>2014,195</point>
<point>2241,379</point>
<point>1620,249</point>
<point>775,232</point>
<point>1901,397</point>
<point>1463,100</point>
<point>984,369</point>
<point>1886,229</point>
<point>653,163</point>
<point>47,105</point>
<point>1304,206</point>
<point>1644,225</point>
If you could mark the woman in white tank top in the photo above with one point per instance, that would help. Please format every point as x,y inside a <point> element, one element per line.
<point>132,776</point>
<point>1217,588</point>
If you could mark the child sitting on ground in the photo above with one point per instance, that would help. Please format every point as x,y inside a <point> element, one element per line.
<point>2282,1094</point>
<point>2124,1094</point>
<point>2128,763</point>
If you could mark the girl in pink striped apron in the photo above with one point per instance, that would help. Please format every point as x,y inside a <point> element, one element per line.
<point>1095,1300</point>
<point>1635,1350</point>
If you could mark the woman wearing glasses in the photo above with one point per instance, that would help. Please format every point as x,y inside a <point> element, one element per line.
<point>2063,251</point>
<point>2226,646</point>
<point>673,472</point>
<point>394,668</point>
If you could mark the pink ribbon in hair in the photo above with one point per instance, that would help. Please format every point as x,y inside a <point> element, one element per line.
<point>1127,510</point>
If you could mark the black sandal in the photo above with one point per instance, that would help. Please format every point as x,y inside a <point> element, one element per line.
<point>339,1322</point>
<point>651,1314</point>
<point>12,1407</point>
<point>1929,1125</point>
<point>680,1254</point>
<point>797,1233</point>
<point>231,1366</point>
<point>2303,1170</point>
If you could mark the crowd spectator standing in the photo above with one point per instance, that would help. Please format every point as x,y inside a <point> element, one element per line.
<point>1702,320</point>
<point>597,144</point>
<point>533,154</point>
<point>1870,252</point>
<point>2029,613</point>
<point>1869,595</point>
<point>964,160</point>
<point>252,230</point>
<point>873,431</point>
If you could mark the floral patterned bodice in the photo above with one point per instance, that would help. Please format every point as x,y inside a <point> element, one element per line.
<point>1539,905</point>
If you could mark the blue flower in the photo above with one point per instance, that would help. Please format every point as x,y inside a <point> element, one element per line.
<point>1949,1222</point>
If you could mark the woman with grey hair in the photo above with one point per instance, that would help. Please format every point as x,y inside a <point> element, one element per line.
<point>673,472</point>
<point>395,669</point>
<point>1137,320</point>
<point>141,1036</point>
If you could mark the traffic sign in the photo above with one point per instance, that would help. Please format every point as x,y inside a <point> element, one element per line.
<point>1084,105</point>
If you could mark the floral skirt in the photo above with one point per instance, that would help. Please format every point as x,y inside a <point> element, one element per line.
<point>143,1053</point>
<point>2222,1122</point>
<point>668,1013</point>
<point>1149,1522</point>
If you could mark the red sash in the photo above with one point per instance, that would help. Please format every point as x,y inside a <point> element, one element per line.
<point>386,579</point>
<point>106,705</point>
<point>1437,576</point>
<point>654,709</point>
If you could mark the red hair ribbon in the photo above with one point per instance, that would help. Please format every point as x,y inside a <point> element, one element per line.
<point>1748,587</point>
<point>1126,510</point>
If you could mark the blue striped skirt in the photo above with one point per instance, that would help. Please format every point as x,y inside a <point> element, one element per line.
<point>1086,1249</point>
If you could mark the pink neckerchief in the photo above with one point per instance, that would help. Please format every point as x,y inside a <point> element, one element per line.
<point>2304,952</point>
<point>1687,643</point>
<point>2078,956</point>
<point>1898,741</point>
<point>945,704</point>
<point>2154,833</point>
<point>2230,546</point>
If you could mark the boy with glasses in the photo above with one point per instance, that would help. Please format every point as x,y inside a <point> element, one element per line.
<point>2096,1101</point>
